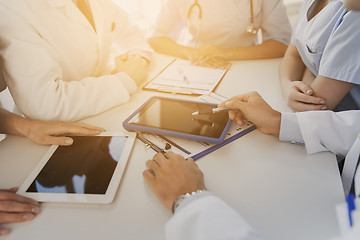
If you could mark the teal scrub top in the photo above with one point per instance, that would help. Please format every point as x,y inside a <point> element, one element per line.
<point>329,45</point>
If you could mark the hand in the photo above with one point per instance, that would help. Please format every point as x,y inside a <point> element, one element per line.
<point>252,107</point>
<point>15,208</point>
<point>170,176</point>
<point>214,62</point>
<point>300,99</point>
<point>209,56</point>
<point>47,133</point>
<point>134,65</point>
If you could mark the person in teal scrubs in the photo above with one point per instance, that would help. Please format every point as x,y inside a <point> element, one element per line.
<point>321,68</point>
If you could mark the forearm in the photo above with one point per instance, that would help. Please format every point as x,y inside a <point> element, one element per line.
<point>269,49</point>
<point>12,124</point>
<point>167,46</point>
<point>331,90</point>
<point>291,68</point>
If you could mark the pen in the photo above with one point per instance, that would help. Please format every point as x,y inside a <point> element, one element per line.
<point>211,110</point>
<point>180,70</point>
<point>149,143</point>
<point>351,206</point>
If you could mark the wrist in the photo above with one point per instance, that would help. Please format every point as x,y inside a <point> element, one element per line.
<point>22,126</point>
<point>276,123</point>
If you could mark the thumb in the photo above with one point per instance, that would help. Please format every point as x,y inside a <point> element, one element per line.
<point>63,141</point>
<point>304,88</point>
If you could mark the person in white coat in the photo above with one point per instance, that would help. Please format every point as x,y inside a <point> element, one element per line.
<point>221,30</point>
<point>198,214</point>
<point>57,56</point>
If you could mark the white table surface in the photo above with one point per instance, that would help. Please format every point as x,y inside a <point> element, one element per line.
<point>279,189</point>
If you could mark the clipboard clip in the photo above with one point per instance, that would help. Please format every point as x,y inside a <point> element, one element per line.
<point>176,90</point>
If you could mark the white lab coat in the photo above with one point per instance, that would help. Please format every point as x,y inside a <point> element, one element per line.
<point>208,217</point>
<point>56,65</point>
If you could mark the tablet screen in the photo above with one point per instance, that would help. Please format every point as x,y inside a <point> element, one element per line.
<point>86,167</point>
<point>176,115</point>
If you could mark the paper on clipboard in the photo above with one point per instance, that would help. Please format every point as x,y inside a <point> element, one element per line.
<point>182,77</point>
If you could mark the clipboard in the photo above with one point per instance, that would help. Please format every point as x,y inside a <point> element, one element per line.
<point>180,77</point>
<point>179,146</point>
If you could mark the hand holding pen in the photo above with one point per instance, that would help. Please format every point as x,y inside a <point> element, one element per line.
<point>252,107</point>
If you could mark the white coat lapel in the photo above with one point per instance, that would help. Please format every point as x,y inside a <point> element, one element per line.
<point>102,19</point>
<point>68,8</point>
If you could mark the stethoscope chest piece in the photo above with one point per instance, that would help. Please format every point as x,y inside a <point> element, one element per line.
<point>252,29</point>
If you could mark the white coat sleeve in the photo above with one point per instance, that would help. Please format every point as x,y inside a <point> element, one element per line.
<point>208,218</point>
<point>36,82</point>
<point>321,130</point>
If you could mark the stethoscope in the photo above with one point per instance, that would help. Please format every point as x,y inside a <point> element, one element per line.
<point>250,29</point>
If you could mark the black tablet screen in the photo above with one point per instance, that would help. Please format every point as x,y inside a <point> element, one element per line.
<point>175,115</point>
<point>86,167</point>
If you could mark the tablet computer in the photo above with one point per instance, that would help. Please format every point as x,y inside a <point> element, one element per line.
<point>88,171</point>
<point>173,117</point>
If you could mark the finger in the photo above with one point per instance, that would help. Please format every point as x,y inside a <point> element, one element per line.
<point>192,162</point>
<point>219,62</point>
<point>232,114</point>
<point>12,190</point>
<point>302,107</point>
<point>215,63</point>
<point>18,207</point>
<point>5,195</point>
<point>15,217</point>
<point>301,97</point>
<point>239,121</point>
<point>153,166</point>
<point>123,57</point>
<point>4,231</point>
<point>74,129</point>
<point>149,177</point>
<point>159,158</point>
<point>306,89</point>
<point>170,154</point>
<point>63,141</point>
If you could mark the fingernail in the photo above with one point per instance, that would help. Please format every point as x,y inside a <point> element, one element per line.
<point>324,108</point>
<point>69,141</point>
<point>27,216</point>
<point>309,91</point>
<point>322,101</point>
<point>35,210</point>
<point>35,203</point>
